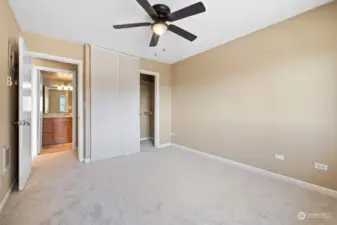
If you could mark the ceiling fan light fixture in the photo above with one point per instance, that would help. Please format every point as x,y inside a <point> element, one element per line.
<point>161,14</point>
<point>159,28</point>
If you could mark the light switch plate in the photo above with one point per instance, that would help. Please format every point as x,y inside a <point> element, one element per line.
<point>320,166</point>
<point>279,157</point>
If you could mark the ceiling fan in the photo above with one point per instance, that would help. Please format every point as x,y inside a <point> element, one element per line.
<point>160,14</point>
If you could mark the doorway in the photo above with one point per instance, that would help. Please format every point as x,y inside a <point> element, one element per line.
<point>57,105</point>
<point>149,107</point>
<point>28,107</point>
<point>54,127</point>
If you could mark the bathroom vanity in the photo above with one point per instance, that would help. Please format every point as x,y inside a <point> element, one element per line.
<point>56,130</point>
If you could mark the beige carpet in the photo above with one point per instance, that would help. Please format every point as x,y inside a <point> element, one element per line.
<point>158,187</point>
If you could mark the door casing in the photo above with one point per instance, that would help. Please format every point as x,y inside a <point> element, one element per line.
<point>156,105</point>
<point>80,95</point>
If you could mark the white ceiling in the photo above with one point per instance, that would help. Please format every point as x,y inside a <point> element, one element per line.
<point>90,21</point>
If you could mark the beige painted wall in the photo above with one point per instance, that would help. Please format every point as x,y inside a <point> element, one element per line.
<point>52,46</point>
<point>8,96</point>
<point>274,91</point>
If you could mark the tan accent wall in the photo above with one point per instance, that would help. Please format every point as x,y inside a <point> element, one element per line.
<point>52,46</point>
<point>8,96</point>
<point>70,105</point>
<point>274,91</point>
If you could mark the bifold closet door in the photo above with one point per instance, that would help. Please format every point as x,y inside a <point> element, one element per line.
<point>129,82</point>
<point>114,105</point>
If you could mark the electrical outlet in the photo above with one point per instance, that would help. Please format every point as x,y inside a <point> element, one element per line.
<point>320,166</point>
<point>279,157</point>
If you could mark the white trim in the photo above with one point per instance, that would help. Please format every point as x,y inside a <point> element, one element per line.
<point>150,73</point>
<point>35,113</point>
<point>110,50</point>
<point>165,145</point>
<point>39,55</point>
<point>146,138</point>
<point>87,160</point>
<point>40,111</point>
<point>313,187</point>
<point>80,98</point>
<point>87,106</point>
<point>74,110</point>
<point>156,106</point>
<point>53,70</point>
<point>5,199</point>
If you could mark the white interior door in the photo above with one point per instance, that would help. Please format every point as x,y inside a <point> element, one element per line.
<point>25,111</point>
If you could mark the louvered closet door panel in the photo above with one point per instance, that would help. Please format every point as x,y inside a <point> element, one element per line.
<point>129,104</point>
<point>105,121</point>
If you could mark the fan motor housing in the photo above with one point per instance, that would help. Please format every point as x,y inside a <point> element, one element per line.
<point>163,12</point>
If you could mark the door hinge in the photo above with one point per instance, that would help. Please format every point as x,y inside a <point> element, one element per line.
<point>22,123</point>
<point>9,81</point>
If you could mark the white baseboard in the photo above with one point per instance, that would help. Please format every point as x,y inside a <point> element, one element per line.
<point>87,160</point>
<point>146,138</point>
<point>313,187</point>
<point>164,145</point>
<point>5,199</point>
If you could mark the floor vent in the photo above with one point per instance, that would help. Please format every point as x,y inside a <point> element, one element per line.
<point>5,160</point>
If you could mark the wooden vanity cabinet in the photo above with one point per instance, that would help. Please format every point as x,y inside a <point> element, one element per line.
<point>57,130</point>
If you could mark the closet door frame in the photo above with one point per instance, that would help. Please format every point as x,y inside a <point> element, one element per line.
<point>156,105</point>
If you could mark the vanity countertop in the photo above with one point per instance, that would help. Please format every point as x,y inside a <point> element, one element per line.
<point>56,116</point>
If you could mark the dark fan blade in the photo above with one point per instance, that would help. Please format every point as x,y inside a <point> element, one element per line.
<point>154,40</point>
<point>130,25</point>
<point>188,11</point>
<point>181,32</point>
<point>148,8</point>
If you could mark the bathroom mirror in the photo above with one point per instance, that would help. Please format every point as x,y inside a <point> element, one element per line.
<point>56,101</point>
